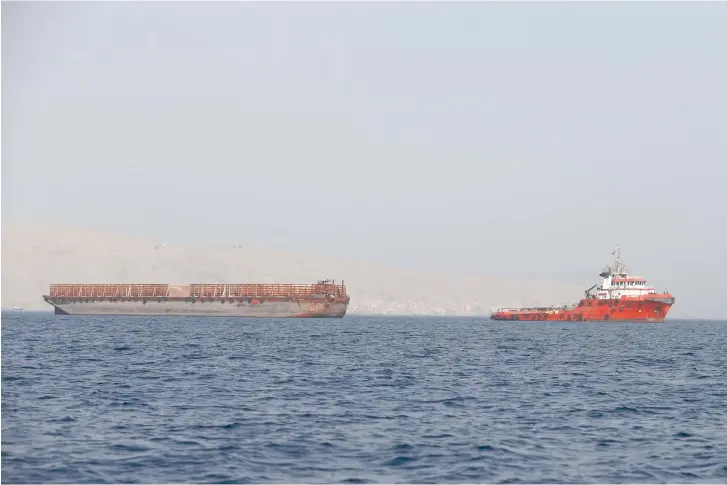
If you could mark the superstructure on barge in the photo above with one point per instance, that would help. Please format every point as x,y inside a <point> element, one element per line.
<point>325,299</point>
<point>621,296</point>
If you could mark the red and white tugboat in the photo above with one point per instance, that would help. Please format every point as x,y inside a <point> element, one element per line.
<point>621,296</point>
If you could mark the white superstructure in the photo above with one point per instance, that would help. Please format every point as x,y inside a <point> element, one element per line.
<point>617,282</point>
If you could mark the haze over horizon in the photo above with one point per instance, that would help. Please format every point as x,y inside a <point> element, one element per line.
<point>509,140</point>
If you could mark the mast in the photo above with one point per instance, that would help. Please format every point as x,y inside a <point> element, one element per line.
<point>618,266</point>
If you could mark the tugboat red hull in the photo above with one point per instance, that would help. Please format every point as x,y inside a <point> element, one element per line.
<point>653,308</point>
<point>621,297</point>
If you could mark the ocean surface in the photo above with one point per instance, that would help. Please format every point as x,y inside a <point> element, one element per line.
<point>363,399</point>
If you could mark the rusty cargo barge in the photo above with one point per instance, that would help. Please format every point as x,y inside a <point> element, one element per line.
<point>325,299</point>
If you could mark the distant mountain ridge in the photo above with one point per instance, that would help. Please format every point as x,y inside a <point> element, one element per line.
<point>33,257</point>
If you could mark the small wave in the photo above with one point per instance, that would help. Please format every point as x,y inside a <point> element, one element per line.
<point>403,446</point>
<point>233,425</point>
<point>400,460</point>
<point>7,378</point>
<point>128,448</point>
<point>627,410</point>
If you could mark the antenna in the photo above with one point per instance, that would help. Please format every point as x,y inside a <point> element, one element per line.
<point>618,267</point>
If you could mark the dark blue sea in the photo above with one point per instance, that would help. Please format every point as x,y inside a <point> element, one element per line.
<point>362,399</point>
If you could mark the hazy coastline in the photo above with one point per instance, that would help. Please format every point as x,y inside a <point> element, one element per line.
<point>35,256</point>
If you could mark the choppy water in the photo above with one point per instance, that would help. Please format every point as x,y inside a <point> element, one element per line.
<point>364,399</point>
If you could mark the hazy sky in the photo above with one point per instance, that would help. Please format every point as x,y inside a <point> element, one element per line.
<point>502,138</point>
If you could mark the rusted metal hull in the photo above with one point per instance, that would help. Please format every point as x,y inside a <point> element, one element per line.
<point>322,300</point>
<point>270,309</point>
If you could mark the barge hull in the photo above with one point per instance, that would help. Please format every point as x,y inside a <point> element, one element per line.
<point>324,299</point>
<point>269,309</point>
